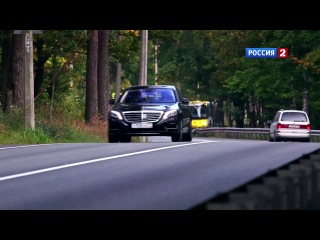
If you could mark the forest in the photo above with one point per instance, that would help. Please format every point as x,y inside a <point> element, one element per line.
<point>76,72</point>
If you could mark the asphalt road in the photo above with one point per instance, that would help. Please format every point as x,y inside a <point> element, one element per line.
<point>155,175</point>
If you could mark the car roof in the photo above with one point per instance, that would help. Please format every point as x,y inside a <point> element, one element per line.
<point>291,111</point>
<point>152,86</point>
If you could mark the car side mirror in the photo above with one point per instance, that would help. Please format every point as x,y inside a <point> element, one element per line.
<point>185,100</point>
<point>112,101</point>
<point>269,122</point>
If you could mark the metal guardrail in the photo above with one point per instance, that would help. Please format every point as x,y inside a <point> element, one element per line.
<point>295,186</point>
<point>243,133</point>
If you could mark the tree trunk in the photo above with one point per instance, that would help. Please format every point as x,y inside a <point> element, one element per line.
<point>91,111</point>
<point>17,65</point>
<point>305,100</point>
<point>118,74</point>
<point>5,66</point>
<point>219,113</point>
<point>156,51</point>
<point>229,120</point>
<point>103,74</point>
<point>305,95</point>
<point>251,112</point>
<point>54,67</point>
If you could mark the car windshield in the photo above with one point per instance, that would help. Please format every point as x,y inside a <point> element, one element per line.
<point>148,95</point>
<point>198,112</point>
<point>294,117</point>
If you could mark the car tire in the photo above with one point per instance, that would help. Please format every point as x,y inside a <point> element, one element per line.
<point>178,137</point>
<point>113,138</point>
<point>188,136</point>
<point>275,139</point>
<point>125,138</point>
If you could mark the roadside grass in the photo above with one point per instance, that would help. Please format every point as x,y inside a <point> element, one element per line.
<point>13,131</point>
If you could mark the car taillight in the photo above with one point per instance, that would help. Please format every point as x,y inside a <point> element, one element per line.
<point>279,125</point>
<point>306,126</point>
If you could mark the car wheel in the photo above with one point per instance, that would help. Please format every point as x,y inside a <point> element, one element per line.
<point>177,137</point>
<point>125,138</point>
<point>188,136</point>
<point>275,139</point>
<point>113,138</point>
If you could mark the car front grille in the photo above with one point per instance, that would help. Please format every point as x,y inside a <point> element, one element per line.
<point>142,116</point>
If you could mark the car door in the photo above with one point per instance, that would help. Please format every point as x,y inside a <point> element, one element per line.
<point>274,123</point>
<point>186,113</point>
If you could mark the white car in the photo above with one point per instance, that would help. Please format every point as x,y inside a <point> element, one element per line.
<point>290,125</point>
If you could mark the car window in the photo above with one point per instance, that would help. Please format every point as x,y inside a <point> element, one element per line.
<point>294,117</point>
<point>276,117</point>
<point>166,96</point>
<point>194,112</point>
<point>130,96</point>
<point>203,111</point>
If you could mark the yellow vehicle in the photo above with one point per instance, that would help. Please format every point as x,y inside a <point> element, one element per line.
<point>201,112</point>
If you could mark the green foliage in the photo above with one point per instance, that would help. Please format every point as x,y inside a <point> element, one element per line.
<point>127,49</point>
<point>12,131</point>
<point>215,61</point>
<point>36,136</point>
<point>65,133</point>
<point>167,36</point>
<point>209,64</point>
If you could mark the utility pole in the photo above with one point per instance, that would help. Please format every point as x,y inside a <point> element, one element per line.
<point>143,64</point>
<point>28,76</point>
<point>143,58</point>
<point>29,81</point>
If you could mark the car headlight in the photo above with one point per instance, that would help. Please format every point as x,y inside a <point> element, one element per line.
<point>169,114</point>
<point>116,114</point>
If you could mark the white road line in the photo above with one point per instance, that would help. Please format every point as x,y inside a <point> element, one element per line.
<point>97,160</point>
<point>25,146</point>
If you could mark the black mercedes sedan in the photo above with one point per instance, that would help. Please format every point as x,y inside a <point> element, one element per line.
<point>152,110</point>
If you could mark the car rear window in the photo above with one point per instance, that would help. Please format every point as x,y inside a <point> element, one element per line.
<point>294,117</point>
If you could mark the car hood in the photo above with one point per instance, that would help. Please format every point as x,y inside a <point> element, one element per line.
<point>139,107</point>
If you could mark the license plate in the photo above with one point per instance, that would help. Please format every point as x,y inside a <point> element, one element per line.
<point>294,126</point>
<point>141,125</point>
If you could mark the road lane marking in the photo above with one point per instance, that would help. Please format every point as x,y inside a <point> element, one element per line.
<point>25,146</point>
<point>97,160</point>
